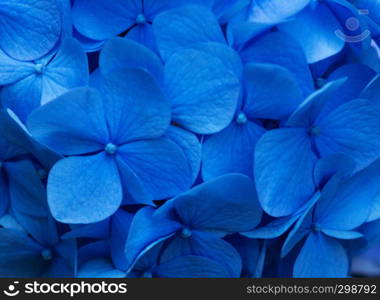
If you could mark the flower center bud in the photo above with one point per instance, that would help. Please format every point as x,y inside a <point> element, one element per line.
<point>241,119</point>
<point>186,233</point>
<point>42,173</point>
<point>140,19</point>
<point>315,131</point>
<point>147,274</point>
<point>39,68</point>
<point>46,254</point>
<point>316,228</point>
<point>110,149</point>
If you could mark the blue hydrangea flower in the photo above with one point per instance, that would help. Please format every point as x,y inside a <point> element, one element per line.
<point>131,17</point>
<point>29,29</point>
<point>202,91</point>
<point>148,266</point>
<point>258,100</point>
<point>194,222</point>
<point>344,204</point>
<point>327,32</point>
<point>27,85</point>
<point>285,158</point>
<point>30,244</point>
<point>114,140</point>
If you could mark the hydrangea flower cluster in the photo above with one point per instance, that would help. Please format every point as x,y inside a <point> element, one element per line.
<point>188,138</point>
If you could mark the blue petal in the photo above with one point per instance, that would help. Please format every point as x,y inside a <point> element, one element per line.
<point>353,129</point>
<point>250,253</point>
<point>203,92</point>
<point>318,39</point>
<point>329,166</point>
<point>71,124</point>
<point>144,35</point>
<point>351,205</point>
<point>89,45</point>
<point>23,96</point>
<point>93,250</point>
<point>229,57</point>
<point>29,28</point>
<point>279,226</point>
<point>206,245</point>
<point>281,49</point>
<point>342,234</point>
<point>84,189</point>
<point>284,164</point>
<point>99,268</point>
<point>64,263</point>
<point>20,141</point>
<point>121,223</point>
<point>358,36</point>
<point>68,69</point>
<point>100,20</point>
<point>29,205</point>
<point>272,92</point>
<point>358,77</point>
<point>152,7</point>
<point>189,26</point>
<point>147,231</point>
<point>231,150</point>
<point>4,193</point>
<point>135,106</point>
<point>321,256</point>
<point>160,165</point>
<point>191,266</point>
<point>120,53</point>
<point>134,191</point>
<point>371,92</point>
<point>147,261</point>
<point>273,229</point>
<point>309,111</point>
<point>190,146</point>
<point>267,11</point>
<point>302,228</point>
<point>227,204</point>
<point>12,70</point>
<point>19,255</point>
<point>98,230</point>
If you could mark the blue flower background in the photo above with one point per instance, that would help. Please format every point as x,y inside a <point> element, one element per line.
<point>189,138</point>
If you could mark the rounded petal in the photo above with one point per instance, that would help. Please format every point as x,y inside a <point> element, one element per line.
<point>319,38</point>
<point>284,164</point>
<point>67,70</point>
<point>121,53</point>
<point>160,165</point>
<point>84,189</point>
<point>267,11</point>
<point>272,92</point>
<point>203,92</point>
<point>72,124</point>
<point>321,256</point>
<point>227,204</point>
<point>354,129</point>
<point>279,48</point>
<point>135,106</point>
<point>231,150</point>
<point>23,96</point>
<point>29,29</point>
<point>190,146</point>
<point>12,70</point>
<point>100,20</point>
<point>189,26</point>
<point>191,266</point>
<point>147,231</point>
<point>205,245</point>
